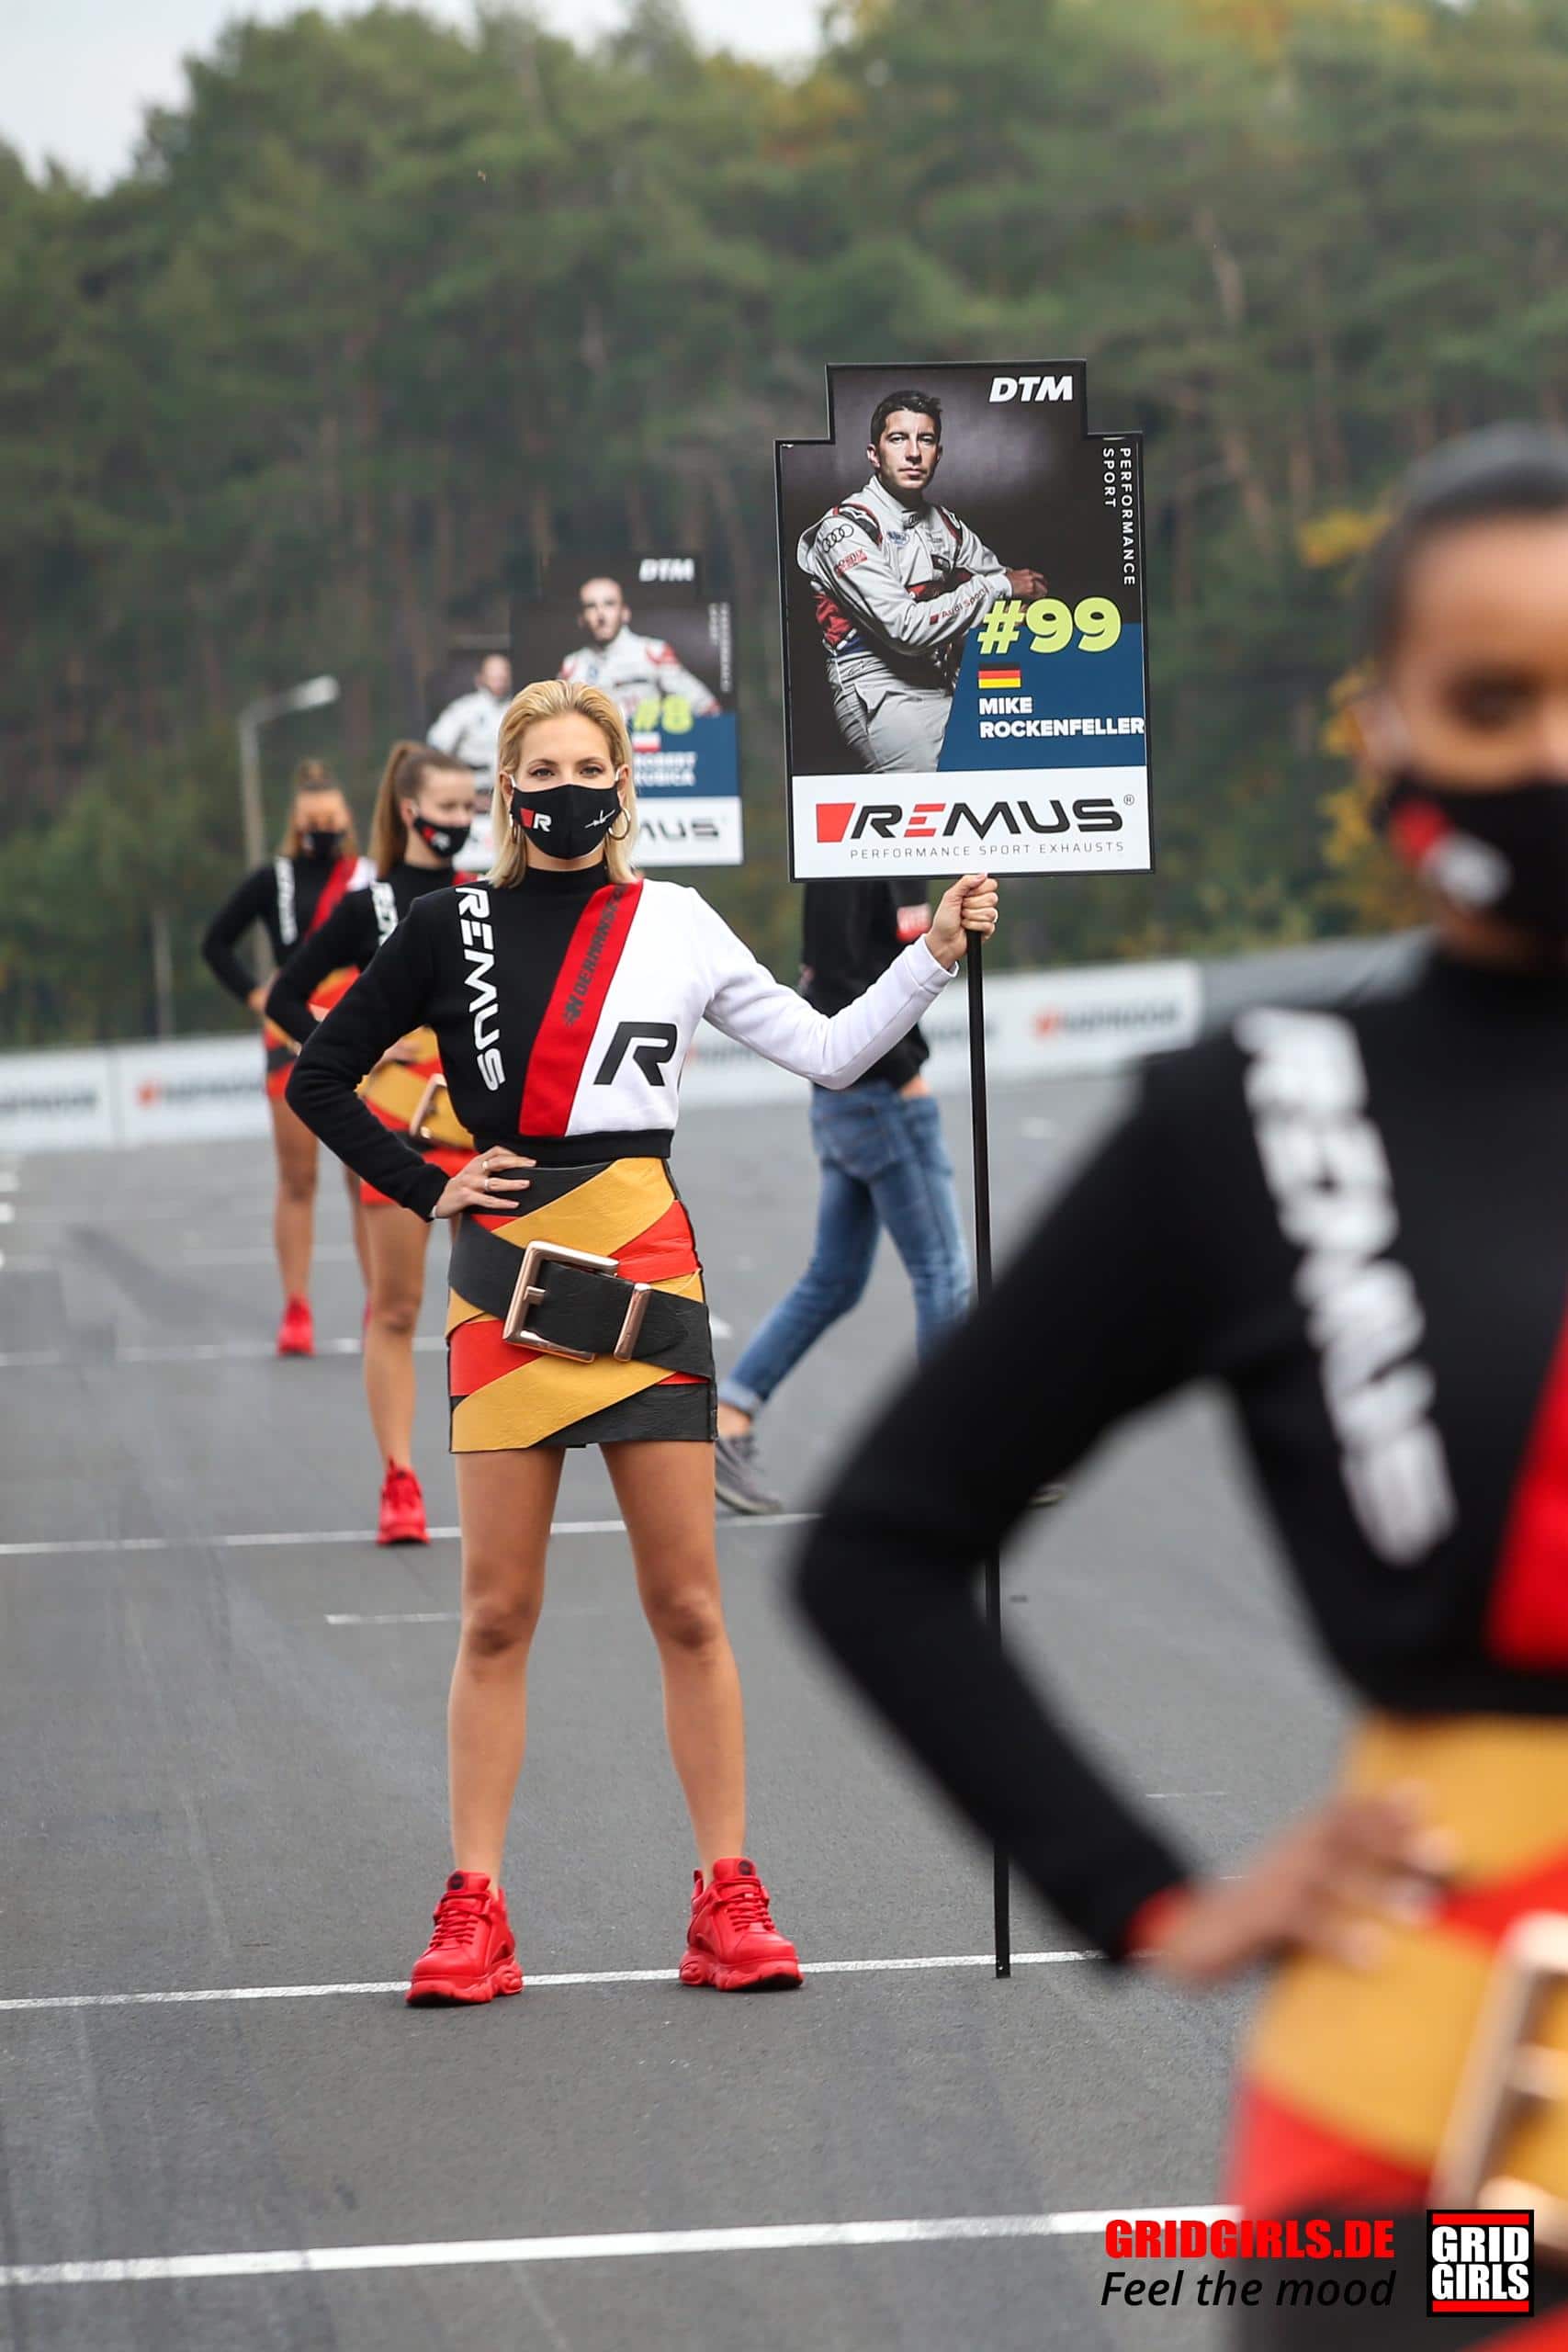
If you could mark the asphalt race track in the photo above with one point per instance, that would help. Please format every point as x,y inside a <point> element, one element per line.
<point>222,1752</point>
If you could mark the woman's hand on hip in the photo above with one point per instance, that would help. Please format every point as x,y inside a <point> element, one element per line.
<point>1320,1887</point>
<point>969,906</point>
<point>486,1184</point>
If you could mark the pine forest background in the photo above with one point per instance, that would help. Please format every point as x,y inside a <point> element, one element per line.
<point>383,300</point>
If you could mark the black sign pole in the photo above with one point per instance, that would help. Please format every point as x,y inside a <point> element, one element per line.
<point>1000,1898</point>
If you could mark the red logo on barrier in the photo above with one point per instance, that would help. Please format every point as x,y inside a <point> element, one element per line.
<point>833,820</point>
<point>148,1092</point>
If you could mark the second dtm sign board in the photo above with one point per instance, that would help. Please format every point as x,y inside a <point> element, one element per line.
<point>963,578</point>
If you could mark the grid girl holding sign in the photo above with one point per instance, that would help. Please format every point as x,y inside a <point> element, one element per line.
<point>564,994</point>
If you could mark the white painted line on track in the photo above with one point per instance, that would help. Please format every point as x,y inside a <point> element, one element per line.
<point>214,1993</point>
<point>457,2253</point>
<point>454,1616</point>
<point>408,1617</point>
<point>207,1351</point>
<point>198,1253</point>
<point>291,1539</point>
<point>186,1351</point>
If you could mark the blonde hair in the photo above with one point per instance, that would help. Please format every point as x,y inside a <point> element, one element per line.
<point>407,765</point>
<point>314,775</point>
<point>557,698</point>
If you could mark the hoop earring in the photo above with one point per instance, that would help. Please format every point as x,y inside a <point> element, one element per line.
<point>624,823</point>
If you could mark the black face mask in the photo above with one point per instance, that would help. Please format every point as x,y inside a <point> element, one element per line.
<point>1503,852</point>
<point>319,844</point>
<point>566,819</point>
<point>444,840</point>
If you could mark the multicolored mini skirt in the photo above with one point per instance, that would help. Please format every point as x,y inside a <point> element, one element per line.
<point>583,1321</point>
<point>1436,2079</point>
<point>412,1099</point>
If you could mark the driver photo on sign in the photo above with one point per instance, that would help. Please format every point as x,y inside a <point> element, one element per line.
<point>899,581</point>
<point>639,672</point>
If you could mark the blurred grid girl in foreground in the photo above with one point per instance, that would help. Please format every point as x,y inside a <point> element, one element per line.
<point>1358,1223</point>
<point>564,994</point>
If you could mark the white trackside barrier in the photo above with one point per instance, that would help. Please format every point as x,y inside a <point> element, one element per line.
<point>1038,1024</point>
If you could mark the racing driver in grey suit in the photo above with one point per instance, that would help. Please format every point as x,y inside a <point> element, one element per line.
<point>899,581</point>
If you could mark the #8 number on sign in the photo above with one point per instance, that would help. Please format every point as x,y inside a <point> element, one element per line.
<point>672,713</point>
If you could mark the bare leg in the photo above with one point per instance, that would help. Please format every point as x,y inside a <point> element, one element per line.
<point>294,1214</point>
<point>505,1501</point>
<point>666,1493</point>
<point>359,1224</point>
<point>398,1243</point>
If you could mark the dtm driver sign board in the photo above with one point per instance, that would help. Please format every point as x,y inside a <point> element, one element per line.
<point>962,593</point>
<point>640,625</point>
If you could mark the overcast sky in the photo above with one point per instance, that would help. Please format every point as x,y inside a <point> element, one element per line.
<point>78,72</point>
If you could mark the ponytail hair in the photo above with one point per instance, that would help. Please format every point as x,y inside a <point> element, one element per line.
<point>314,775</point>
<point>407,765</point>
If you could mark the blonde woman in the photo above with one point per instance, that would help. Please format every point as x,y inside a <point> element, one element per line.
<point>565,993</point>
<point>423,816</point>
<point>317,862</point>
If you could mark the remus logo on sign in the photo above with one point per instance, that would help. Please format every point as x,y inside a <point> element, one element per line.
<point>931,820</point>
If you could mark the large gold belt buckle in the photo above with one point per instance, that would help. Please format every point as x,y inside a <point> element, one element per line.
<point>419,1126</point>
<point>1506,2076</point>
<point>530,1291</point>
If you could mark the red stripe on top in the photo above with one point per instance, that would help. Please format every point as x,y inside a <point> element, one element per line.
<point>1526,1623</point>
<point>560,1050</point>
<point>338,883</point>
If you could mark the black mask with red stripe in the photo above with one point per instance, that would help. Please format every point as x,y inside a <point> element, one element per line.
<point>444,840</point>
<point>566,819</point>
<point>1502,852</point>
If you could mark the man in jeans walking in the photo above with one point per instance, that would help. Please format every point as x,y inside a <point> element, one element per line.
<point>884,1163</point>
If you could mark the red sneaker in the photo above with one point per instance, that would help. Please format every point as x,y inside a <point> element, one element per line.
<point>296,1332</point>
<point>732,1943</point>
<point>472,1956</point>
<point>402,1507</point>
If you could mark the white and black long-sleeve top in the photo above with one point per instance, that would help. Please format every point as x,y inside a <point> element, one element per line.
<point>565,1009</point>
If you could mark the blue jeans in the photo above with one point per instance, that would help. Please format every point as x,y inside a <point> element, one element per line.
<point>884,1163</point>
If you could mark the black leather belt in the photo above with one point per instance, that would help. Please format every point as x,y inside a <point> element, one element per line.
<point>571,1302</point>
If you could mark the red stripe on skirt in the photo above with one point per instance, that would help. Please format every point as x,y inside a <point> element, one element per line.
<point>662,1250</point>
<point>477,1354</point>
<point>560,1050</point>
<point>1282,2163</point>
<point>1546,2334</point>
<point>1527,1620</point>
<point>1490,1911</point>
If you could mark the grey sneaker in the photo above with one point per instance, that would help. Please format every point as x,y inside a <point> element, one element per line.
<point>738,1477</point>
